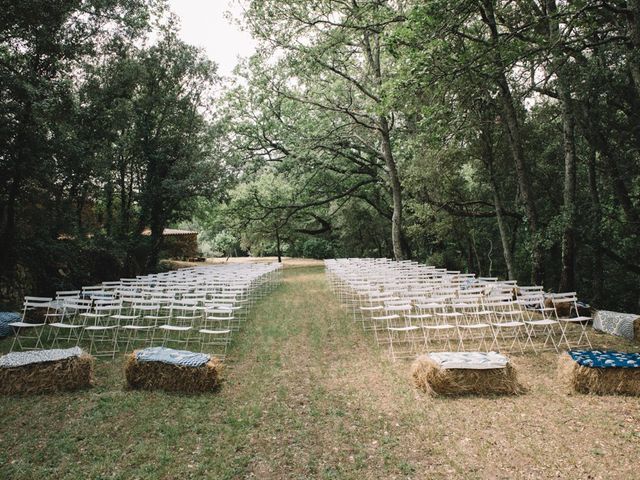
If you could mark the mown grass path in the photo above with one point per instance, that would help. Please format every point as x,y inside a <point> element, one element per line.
<point>308,395</point>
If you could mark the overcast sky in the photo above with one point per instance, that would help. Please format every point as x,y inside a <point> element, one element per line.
<point>204,23</point>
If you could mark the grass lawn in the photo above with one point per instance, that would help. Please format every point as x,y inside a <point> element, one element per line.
<point>308,395</point>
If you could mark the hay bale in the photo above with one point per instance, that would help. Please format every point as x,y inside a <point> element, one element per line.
<point>562,309</point>
<point>598,381</point>
<point>172,378</point>
<point>68,374</point>
<point>429,377</point>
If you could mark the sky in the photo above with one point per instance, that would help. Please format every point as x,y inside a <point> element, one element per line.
<point>204,23</point>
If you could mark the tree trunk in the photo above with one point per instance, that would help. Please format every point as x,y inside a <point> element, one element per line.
<point>474,249</point>
<point>278,249</point>
<point>124,214</point>
<point>469,256</point>
<point>157,237</point>
<point>396,190</point>
<point>108,221</point>
<point>371,48</point>
<point>515,144</point>
<point>9,234</point>
<point>79,211</point>
<point>596,222</point>
<point>568,271</point>
<point>504,235</point>
<point>487,153</point>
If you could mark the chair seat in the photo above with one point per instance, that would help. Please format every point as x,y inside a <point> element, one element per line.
<point>543,322</point>
<point>174,328</point>
<point>214,332</point>
<point>65,325</point>
<point>94,315</point>
<point>508,324</point>
<point>25,324</point>
<point>438,327</point>
<point>136,327</point>
<point>370,309</point>
<point>124,317</point>
<point>475,326</point>
<point>99,328</point>
<point>575,319</point>
<point>449,314</point>
<point>403,329</point>
<point>386,317</point>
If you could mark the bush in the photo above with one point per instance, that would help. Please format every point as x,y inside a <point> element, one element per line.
<point>319,248</point>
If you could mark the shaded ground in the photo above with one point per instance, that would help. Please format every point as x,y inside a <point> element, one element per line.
<point>308,395</point>
<point>287,262</point>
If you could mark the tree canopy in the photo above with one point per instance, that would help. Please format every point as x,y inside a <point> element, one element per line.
<point>480,135</point>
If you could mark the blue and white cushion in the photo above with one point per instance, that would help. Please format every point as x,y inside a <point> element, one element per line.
<point>605,359</point>
<point>170,356</point>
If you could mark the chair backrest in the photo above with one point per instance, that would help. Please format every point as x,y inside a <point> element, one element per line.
<point>62,294</point>
<point>563,298</point>
<point>78,304</point>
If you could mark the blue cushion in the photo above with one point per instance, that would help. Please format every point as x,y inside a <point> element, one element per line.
<point>5,319</point>
<point>605,359</point>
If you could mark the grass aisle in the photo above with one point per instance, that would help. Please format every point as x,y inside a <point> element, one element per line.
<point>308,395</point>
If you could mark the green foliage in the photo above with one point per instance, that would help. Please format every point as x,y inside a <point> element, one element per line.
<point>225,243</point>
<point>317,248</point>
<point>496,137</point>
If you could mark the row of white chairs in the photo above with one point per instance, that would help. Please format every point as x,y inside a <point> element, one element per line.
<point>197,308</point>
<point>412,308</point>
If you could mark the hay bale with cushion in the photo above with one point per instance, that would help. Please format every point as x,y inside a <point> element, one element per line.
<point>466,373</point>
<point>626,325</point>
<point>600,372</point>
<point>159,368</point>
<point>45,371</point>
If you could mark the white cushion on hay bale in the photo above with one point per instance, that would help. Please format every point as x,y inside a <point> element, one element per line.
<point>472,360</point>
<point>626,325</point>
<point>462,373</point>
<point>44,371</point>
<point>172,370</point>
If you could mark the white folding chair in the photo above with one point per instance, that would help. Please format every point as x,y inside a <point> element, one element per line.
<point>573,321</point>
<point>30,326</point>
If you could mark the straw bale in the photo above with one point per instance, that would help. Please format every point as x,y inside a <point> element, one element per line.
<point>430,378</point>
<point>62,375</point>
<point>172,378</point>
<point>563,309</point>
<point>599,381</point>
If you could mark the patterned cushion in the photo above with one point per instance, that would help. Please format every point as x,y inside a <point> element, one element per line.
<point>615,323</point>
<point>605,359</point>
<point>20,359</point>
<point>182,358</point>
<point>469,360</point>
